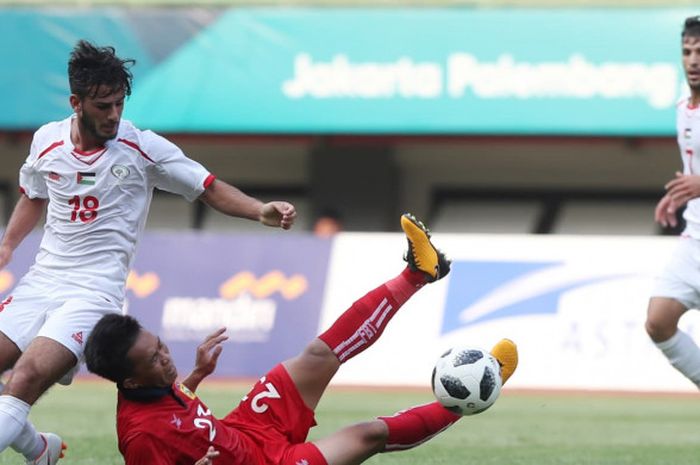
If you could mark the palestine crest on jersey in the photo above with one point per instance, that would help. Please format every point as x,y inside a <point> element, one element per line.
<point>120,172</point>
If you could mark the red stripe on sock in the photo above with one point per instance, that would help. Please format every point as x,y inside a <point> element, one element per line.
<point>362,324</point>
<point>412,427</point>
<point>370,329</point>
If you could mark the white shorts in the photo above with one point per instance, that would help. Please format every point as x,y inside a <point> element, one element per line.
<point>680,279</point>
<point>38,306</point>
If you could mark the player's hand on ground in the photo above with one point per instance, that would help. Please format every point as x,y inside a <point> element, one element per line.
<point>665,212</point>
<point>5,256</point>
<point>278,214</point>
<point>683,188</point>
<point>208,352</point>
<point>209,457</point>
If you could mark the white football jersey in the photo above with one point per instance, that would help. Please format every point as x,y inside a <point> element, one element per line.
<point>688,128</point>
<point>99,201</point>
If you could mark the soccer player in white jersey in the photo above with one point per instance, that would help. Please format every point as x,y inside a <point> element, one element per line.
<point>94,174</point>
<point>678,288</point>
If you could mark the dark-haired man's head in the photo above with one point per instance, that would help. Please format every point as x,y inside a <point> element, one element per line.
<point>120,350</point>
<point>99,82</point>
<point>690,46</point>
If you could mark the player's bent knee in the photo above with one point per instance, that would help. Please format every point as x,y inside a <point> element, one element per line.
<point>659,331</point>
<point>24,385</point>
<point>27,383</point>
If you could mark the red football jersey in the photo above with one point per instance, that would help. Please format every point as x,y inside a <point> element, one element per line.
<point>177,429</point>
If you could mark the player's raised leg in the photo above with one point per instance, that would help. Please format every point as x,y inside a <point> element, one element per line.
<point>9,354</point>
<point>363,323</point>
<point>43,363</point>
<point>52,348</point>
<point>406,429</point>
<point>35,448</point>
<point>680,349</point>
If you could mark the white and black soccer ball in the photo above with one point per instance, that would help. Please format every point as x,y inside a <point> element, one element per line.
<point>467,380</point>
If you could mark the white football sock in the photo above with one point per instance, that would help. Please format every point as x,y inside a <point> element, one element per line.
<point>29,443</point>
<point>683,354</point>
<point>13,416</point>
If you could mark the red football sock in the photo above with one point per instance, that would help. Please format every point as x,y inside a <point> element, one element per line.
<point>412,427</point>
<point>365,320</point>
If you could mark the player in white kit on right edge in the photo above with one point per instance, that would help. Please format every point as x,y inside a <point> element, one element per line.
<point>678,287</point>
<point>94,174</point>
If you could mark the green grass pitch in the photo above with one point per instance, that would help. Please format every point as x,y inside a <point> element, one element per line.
<point>520,429</point>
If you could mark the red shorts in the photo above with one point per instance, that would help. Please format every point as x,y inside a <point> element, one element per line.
<point>276,418</point>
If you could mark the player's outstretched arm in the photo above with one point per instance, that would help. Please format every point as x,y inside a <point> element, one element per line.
<point>24,218</point>
<point>207,356</point>
<point>231,201</point>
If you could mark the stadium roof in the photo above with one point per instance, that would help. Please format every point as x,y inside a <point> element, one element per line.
<point>365,3</point>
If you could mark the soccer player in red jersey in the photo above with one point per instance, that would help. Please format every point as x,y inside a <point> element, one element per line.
<point>160,422</point>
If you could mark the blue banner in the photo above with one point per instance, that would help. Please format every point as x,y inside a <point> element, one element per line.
<point>423,71</point>
<point>361,70</point>
<point>267,290</point>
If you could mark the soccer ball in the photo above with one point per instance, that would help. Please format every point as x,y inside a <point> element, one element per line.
<point>467,380</point>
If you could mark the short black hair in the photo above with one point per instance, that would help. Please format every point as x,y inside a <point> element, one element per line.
<point>108,345</point>
<point>691,27</point>
<point>330,212</point>
<point>90,67</point>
